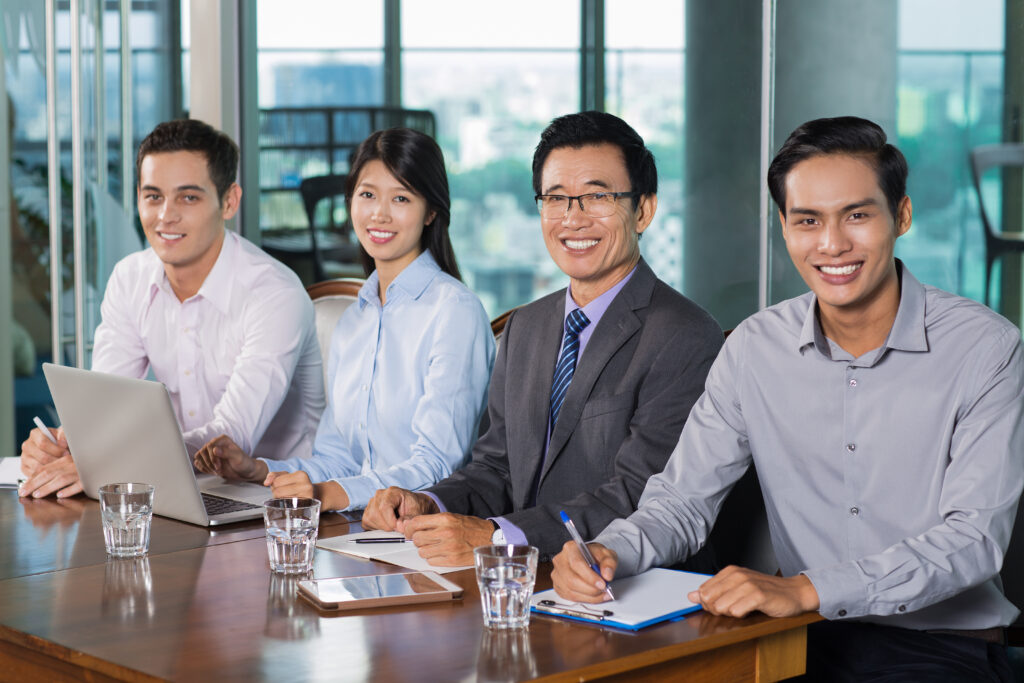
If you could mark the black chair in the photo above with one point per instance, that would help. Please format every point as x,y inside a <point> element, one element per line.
<point>334,249</point>
<point>997,242</point>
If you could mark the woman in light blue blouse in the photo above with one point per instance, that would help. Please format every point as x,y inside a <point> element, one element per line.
<point>409,361</point>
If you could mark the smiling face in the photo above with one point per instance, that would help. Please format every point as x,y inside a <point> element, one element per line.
<point>182,216</point>
<point>388,219</point>
<point>595,253</point>
<point>841,237</point>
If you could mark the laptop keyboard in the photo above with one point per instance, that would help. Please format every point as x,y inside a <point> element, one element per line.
<point>215,505</point>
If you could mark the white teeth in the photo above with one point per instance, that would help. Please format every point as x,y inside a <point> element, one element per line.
<point>840,270</point>
<point>580,244</point>
<point>170,235</point>
<point>381,234</point>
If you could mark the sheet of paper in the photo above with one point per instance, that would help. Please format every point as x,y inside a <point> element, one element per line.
<point>640,600</point>
<point>10,472</point>
<point>401,554</point>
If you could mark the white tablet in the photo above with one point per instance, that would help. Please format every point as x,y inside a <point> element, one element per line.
<point>360,592</point>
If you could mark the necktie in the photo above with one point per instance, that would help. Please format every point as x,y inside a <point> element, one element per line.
<point>566,366</point>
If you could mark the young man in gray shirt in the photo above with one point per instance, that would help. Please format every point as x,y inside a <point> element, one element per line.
<point>884,418</point>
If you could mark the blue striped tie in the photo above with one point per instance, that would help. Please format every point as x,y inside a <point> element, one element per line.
<point>574,324</point>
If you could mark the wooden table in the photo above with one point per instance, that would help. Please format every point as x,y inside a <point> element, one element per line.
<point>204,604</point>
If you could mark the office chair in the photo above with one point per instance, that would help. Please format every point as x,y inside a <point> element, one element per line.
<point>330,299</point>
<point>997,242</point>
<point>1012,575</point>
<point>498,326</point>
<point>334,250</point>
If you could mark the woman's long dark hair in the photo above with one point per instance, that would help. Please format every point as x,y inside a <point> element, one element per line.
<point>417,162</point>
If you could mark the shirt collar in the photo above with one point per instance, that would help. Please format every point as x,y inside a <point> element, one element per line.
<point>908,329</point>
<point>413,280</point>
<point>215,288</point>
<point>596,308</point>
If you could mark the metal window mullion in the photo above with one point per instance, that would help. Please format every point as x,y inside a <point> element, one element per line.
<point>592,54</point>
<point>393,53</point>
<point>77,182</point>
<point>127,111</point>
<point>767,106</point>
<point>53,184</point>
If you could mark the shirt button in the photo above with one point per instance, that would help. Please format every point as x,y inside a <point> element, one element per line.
<point>191,413</point>
<point>842,613</point>
<point>902,608</point>
<point>362,426</point>
<point>854,511</point>
<point>363,387</point>
<point>853,382</point>
<point>188,372</point>
<point>851,447</point>
<point>185,329</point>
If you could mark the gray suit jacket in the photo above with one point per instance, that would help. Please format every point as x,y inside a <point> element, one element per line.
<point>634,385</point>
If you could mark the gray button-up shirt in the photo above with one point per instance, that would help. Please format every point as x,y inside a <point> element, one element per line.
<point>891,480</point>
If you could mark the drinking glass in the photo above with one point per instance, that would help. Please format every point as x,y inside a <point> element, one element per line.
<point>505,574</point>
<point>291,525</point>
<point>127,512</point>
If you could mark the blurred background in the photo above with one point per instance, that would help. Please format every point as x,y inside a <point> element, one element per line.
<point>713,87</point>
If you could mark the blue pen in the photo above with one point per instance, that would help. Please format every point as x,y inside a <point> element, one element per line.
<point>585,551</point>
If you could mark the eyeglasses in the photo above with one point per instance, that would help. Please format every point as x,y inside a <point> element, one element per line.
<point>594,204</point>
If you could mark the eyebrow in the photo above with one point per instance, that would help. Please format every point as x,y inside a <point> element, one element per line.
<point>846,209</point>
<point>596,183</point>
<point>180,188</point>
<point>393,188</point>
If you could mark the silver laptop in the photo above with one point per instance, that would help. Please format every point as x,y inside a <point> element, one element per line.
<point>122,429</point>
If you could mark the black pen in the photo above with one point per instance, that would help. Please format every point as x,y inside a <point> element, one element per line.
<point>381,540</point>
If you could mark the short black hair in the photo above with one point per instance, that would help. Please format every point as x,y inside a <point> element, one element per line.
<point>192,135</point>
<point>841,135</point>
<point>416,161</point>
<point>595,128</point>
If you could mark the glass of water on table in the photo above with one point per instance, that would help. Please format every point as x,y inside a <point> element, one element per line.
<point>291,525</point>
<point>505,574</point>
<point>127,512</point>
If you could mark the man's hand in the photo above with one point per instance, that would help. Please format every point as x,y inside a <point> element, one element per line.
<point>59,476</point>
<point>447,539</point>
<point>736,592</point>
<point>331,494</point>
<point>392,504</point>
<point>575,580</point>
<point>38,451</point>
<point>223,457</point>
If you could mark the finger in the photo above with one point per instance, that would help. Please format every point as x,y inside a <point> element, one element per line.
<point>72,490</point>
<point>271,478</point>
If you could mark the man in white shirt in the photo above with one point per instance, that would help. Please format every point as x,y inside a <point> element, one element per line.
<point>228,329</point>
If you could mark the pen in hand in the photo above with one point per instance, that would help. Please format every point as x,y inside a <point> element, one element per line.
<point>45,430</point>
<point>585,551</point>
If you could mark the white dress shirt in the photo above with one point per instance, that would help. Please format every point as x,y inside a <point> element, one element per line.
<point>890,480</point>
<point>238,358</point>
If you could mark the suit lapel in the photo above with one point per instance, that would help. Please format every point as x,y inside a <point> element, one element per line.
<point>616,326</point>
<point>536,361</point>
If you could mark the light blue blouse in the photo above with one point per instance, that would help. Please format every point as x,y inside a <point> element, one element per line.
<point>406,385</point>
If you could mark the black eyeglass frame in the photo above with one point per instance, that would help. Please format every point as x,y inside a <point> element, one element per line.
<point>579,200</point>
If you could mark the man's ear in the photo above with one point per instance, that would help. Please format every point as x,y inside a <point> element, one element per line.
<point>904,216</point>
<point>231,201</point>
<point>645,211</point>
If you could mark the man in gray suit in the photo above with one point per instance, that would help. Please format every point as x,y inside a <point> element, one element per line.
<point>591,385</point>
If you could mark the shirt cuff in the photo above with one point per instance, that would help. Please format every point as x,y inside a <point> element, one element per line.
<point>513,534</point>
<point>841,591</point>
<point>437,501</point>
<point>289,465</point>
<point>358,489</point>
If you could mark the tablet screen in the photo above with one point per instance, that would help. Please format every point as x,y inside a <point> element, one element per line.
<point>372,587</point>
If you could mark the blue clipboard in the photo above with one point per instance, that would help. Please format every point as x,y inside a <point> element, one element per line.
<point>653,597</point>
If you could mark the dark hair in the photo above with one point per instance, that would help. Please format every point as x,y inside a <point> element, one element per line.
<point>841,135</point>
<point>595,128</point>
<point>192,135</point>
<point>417,162</point>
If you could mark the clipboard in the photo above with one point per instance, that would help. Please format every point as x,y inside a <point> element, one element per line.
<point>643,600</point>
<point>361,592</point>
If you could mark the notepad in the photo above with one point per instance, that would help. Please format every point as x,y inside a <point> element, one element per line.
<point>402,554</point>
<point>10,472</point>
<point>649,598</point>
